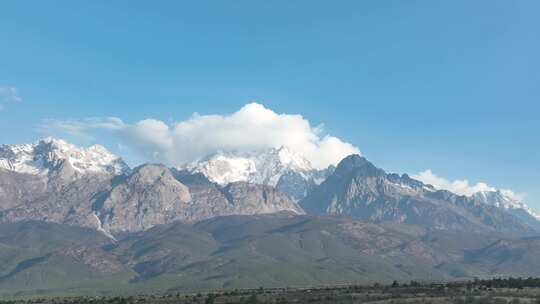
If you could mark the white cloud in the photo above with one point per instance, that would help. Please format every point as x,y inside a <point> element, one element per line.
<point>461,187</point>
<point>83,128</point>
<point>8,95</point>
<point>520,197</point>
<point>253,127</point>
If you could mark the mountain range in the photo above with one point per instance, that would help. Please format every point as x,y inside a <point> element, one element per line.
<point>241,219</point>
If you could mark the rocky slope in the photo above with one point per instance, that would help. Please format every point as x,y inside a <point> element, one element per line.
<point>248,251</point>
<point>502,200</point>
<point>511,205</point>
<point>149,196</point>
<point>357,188</point>
<point>508,257</point>
<point>153,195</point>
<point>294,177</point>
<point>54,181</point>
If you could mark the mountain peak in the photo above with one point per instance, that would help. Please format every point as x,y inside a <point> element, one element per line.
<point>357,163</point>
<point>53,141</point>
<point>502,199</point>
<point>353,160</point>
<point>48,153</point>
<point>258,167</point>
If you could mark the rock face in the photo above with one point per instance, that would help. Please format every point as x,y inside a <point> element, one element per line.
<point>511,204</point>
<point>61,202</point>
<point>54,181</point>
<point>357,188</point>
<point>211,199</point>
<point>297,185</point>
<point>149,196</point>
<point>260,198</point>
<point>152,195</point>
<point>42,170</point>
<point>15,188</point>
<point>49,183</point>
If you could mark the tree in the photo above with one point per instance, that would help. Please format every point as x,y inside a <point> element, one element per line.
<point>252,299</point>
<point>210,299</point>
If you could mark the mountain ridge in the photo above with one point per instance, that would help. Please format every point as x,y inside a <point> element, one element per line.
<point>159,228</point>
<point>53,180</point>
<point>360,189</point>
<point>44,155</point>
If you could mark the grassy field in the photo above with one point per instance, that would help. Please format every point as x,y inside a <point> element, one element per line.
<point>511,291</point>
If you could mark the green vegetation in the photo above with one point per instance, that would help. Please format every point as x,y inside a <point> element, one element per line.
<point>497,291</point>
<point>47,260</point>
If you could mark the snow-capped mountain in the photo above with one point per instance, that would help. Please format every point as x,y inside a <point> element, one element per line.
<point>264,167</point>
<point>54,181</point>
<point>40,157</point>
<point>282,168</point>
<point>59,184</point>
<point>502,200</point>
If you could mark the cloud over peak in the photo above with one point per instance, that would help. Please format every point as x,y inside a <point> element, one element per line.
<point>462,187</point>
<point>252,127</point>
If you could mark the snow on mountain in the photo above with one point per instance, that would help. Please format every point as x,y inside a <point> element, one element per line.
<point>504,200</point>
<point>39,157</point>
<point>262,167</point>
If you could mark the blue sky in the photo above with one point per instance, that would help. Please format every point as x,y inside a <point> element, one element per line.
<point>451,86</point>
